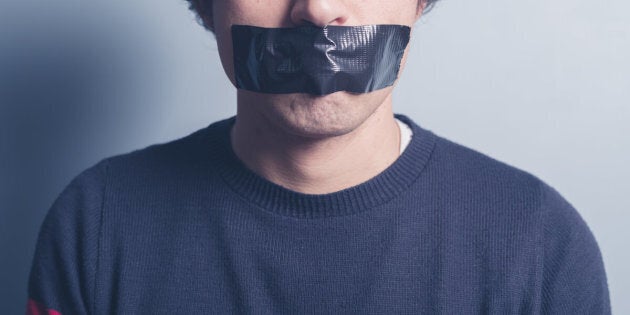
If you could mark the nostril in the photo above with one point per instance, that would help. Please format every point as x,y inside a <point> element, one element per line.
<point>339,21</point>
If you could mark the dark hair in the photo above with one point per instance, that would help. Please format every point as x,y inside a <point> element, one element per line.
<point>203,9</point>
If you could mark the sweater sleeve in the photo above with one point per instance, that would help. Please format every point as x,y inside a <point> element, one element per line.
<point>62,276</point>
<point>574,280</point>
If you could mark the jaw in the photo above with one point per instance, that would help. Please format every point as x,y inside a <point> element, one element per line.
<point>312,117</point>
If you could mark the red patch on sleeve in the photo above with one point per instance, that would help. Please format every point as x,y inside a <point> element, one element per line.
<point>34,308</point>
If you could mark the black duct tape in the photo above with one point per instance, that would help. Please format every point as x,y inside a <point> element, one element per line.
<point>318,60</point>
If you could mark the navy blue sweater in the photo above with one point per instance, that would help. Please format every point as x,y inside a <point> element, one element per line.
<point>185,228</point>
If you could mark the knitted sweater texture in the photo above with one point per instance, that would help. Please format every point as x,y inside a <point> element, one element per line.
<point>185,228</point>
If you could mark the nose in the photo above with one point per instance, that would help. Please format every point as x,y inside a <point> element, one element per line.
<point>319,12</point>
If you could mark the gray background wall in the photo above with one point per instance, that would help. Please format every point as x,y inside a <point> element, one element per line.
<point>540,85</point>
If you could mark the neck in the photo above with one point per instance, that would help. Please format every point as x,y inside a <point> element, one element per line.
<point>317,165</point>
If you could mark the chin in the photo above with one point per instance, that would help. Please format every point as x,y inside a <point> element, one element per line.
<point>312,116</point>
<point>318,131</point>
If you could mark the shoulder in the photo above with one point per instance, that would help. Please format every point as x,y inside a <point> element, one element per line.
<point>139,172</point>
<point>187,149</point>
<point>460,166</point>
<point>472,184</point>
<point>181,156</point>
<point>486,175</point>
<point>516,205</point>
<point>483,176</point>
<point>466,171</point>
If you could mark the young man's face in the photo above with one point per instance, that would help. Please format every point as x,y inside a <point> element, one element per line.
<point>304,114</point>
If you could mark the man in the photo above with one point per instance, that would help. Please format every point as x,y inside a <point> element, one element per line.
<point>315,198</point>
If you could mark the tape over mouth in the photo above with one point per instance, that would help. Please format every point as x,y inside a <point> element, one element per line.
<point>318,60</point>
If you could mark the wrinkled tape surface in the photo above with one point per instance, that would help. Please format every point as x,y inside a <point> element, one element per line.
<point>318,60</point>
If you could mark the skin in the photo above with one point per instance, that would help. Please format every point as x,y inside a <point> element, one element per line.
<point>313,144</point>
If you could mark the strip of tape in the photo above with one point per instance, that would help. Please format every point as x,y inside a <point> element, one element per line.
<point>318,60</point>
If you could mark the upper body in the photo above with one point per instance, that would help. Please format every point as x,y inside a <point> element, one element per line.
<point>304,204</point>
<point>186,227</point>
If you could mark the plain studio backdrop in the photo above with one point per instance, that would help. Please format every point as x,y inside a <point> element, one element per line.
<point>543,86</point>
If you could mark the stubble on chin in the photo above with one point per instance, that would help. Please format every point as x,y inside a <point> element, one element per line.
<point>316,117</point>
<point>305,116</point>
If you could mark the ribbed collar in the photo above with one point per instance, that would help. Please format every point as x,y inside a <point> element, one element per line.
<point>259,191</point>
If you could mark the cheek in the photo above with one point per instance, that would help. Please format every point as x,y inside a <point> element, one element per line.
<point>224,44</point>
<point>403,61</point>
<point>264,13</point>
<point>392,12</point>
<point>221,23</point>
